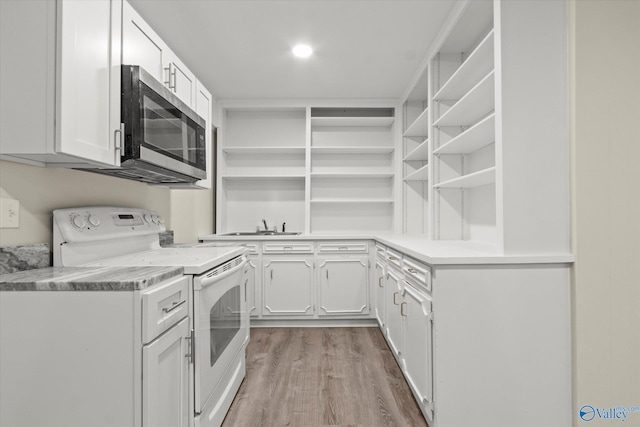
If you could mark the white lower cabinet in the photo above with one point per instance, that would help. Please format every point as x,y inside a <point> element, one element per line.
<point>288,285</point>
<point>252,285</point>
<point>165,379</point>
<point>417,354</point>
<point>380,281</point>
<point>343,286</point>
<point>394,324</point>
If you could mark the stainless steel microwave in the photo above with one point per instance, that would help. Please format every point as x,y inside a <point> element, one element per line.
<point>163,140</point>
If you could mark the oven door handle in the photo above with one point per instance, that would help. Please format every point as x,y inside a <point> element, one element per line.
<point>206,281</point>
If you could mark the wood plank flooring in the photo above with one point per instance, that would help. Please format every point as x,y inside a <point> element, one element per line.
<point>321,377</point>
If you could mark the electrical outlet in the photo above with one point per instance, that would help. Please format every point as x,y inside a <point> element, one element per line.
<point>9,213</point>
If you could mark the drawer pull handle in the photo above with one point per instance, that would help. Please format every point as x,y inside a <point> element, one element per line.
<point>380,281</point>
<point>395,294</point>
<point>175,305</point>
<point>392,258</point>
<point>412,270</point>
<point>402,309</point>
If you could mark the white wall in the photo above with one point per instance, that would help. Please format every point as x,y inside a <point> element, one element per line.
<point>41,190</point>
<point>605,59</point>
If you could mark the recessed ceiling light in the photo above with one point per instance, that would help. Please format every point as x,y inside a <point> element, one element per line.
<point>302,51</point>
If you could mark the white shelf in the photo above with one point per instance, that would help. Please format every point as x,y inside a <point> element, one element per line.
<point>421,174</point>
<point>471,71</point>
<point>352,175</point>
<point>351,121</point>
<point>479,101</point>
<point>479,135</point>
<point>262,177</point>
<point>419,127</point>
<point>420,153</point>
<point>343,201</point>
<point>351,150</point>
<point>476,179</point>
<point>263,150</point>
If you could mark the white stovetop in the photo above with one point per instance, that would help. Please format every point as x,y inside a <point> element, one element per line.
<point>194,260</point>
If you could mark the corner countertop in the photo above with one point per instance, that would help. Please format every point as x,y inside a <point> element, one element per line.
<point>87,278</point>
<point>433,252</point>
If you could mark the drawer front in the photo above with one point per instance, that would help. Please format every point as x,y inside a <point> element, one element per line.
<point>163,306</point>
<point>394,258</point>
<point>287,247</point>
<point>344,247</point>
<point>417,273</point>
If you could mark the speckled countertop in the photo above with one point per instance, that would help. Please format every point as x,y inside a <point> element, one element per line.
<point>87,278</point>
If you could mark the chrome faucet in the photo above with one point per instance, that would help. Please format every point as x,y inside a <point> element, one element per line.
<point>264,221</point>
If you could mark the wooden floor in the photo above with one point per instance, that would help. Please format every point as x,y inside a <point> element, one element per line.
<point>320,377</point>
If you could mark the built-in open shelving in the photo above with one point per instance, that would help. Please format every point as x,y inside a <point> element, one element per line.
<point>477,65</point>
<point>352,150</point>
<point>479,135</point>
<point>475,179</point>
<point>351,121</point>
<point>359,201</point>
<point>421,174</point>
<point>263,150</point>
<point>262,177</point>
<point>420,153</point>
<point>472,107</point>
<point>420,127</point>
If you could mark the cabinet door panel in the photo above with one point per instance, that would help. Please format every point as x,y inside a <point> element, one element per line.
<point>140,44</point>
<point>287,286</point>
<point>183,82</point>
<point>252,291</point>
<point>89,82</point>
<point>165,373</point>
<point>344,287</point>
<point>394,325</point>
<point>417,354</point>
<point>380,295</point>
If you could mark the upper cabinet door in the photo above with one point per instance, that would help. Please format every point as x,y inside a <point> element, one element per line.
<point>141,45</point>
<point>181,81</point>
<point>88,105</point>
<point>203,108</point>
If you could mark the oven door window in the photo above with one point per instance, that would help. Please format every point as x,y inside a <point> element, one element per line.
<point>224,321</point>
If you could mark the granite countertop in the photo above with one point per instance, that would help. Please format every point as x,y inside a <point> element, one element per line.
<point>87,278</point>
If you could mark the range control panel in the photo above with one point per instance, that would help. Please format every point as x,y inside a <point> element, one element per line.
<point>102,222</point>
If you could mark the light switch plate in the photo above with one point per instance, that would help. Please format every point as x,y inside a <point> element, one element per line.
<point>9,213</point>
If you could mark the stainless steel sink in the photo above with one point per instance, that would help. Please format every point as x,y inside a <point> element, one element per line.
<point>262,233</point>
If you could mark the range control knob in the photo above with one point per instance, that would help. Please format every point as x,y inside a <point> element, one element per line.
<point>147,217</point>
<point>94,220</point>
<point>154,218</point>
<point>160,220</point>
<point>78,221</point>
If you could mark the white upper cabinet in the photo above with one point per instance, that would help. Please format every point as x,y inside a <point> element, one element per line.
<point>143,47</point>
<point>61,84</point>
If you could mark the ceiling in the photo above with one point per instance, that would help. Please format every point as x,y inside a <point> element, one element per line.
<point>241,49</point>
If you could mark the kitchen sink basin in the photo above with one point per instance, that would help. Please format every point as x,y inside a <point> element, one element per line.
<point>263,233</point>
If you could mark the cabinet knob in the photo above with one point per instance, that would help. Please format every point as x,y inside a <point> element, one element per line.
<point>412,270</point>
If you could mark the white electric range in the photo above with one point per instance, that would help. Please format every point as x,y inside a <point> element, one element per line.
<point>112,236</point>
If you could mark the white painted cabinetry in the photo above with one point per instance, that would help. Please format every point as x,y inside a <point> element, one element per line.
<point>288,285</point>
<point>343,286</point>
<point>165,373</point>
<point>96,358</point>
<point>142,46</point>
<point>417,354</point>
<point>394,324</point>
<point>61,84</point>
<point>380,280</point>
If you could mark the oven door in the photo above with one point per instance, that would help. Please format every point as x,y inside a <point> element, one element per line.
<point>221,325</point>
